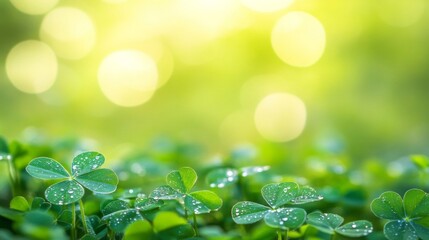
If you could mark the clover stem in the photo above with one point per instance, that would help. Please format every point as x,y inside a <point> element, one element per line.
<point>279,235</point>
<point>12,175</point>
<point>73,226</point>
<point>82,215</point>
<point>195,224</point>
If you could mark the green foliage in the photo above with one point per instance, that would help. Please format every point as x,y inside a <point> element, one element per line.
<point>409,217</point>
<point>84,173</point>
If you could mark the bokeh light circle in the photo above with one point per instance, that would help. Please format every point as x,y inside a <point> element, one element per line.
<point>266,5</point>
<point>34,7</point>
<point>32,66</point>
<point>69,31</point>
<point>298,39</point>
<point>128,78</point>
<point>280,117</point>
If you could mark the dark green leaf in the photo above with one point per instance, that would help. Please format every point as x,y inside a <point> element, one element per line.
<point>306,194</point>
<point>388,206</point>
<point>114,206</point>
<point>146,204</point>
<point>182,180</point>
<point>355,229</point>
<point>99,180</point>
<point>278,194</point>
<point>248,212</point>
<point>118,221</point>
<point>166,193</point>
<point>222,177</point>
<point>202,202</point>
<point>10,214</point>
<point>46,168</point>
<point>19,203</point>
<point>86,162</point>
<point>64,192</point>
<point>285,218</point>
<point>325,222</point>
<point>400,230</point>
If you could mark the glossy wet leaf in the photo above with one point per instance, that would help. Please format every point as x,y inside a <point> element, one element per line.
<point>141,229</point>
<point>64,192</point>
<point>146,204</point>
<point>248,171</point>
<point>165,192</point>
<point>114,206</point>
<point>306,194</point>
<point>202,202</point>
<point>99,180</point>
<point>86,162</point>
<point>388,206</point>
<point>222,177</point>
<point>19,203</point>
<point>278,194</point>
<point>399,230</point>
<point>325,222</point>
<point>416,203</point>
<point>166,220</point>
<point>355,229</point>
<point>46,168</point>
<point>182,180</point>
<point>248,212</point>
<point>285,218</point>
<point>118,221</point>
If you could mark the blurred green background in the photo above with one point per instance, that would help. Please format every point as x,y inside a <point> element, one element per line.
<point>366,95</point>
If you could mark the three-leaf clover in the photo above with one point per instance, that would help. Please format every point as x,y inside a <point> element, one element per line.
<point>85,173</point>
<point>179,185</point>
<point>276,195</point>
<point>331,223</point>
<point>409,217</point>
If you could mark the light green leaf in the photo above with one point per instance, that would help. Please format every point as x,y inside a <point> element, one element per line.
<point>165,192</point>
<point>248,212</point>
<point>64,192</point>
<point>278,194</point>
<point>285,218</point>
<point>222,177</point>
<point>400,230</point>
<point>388,206</point>
<point>19,203</point>
<point>46,168</point>
<point>325,222</point>
<point>86,162</point>
<point>202,202</point>
<point>166,220</point>
<point>355,229</point>
<point>182,180</point>
<point>138,230</point>
<point>306,194</point>
<point>99,180</point>
<point>146,204</point>
<point>421,161</point>
<point>248,171</point>
<point>416,203</point>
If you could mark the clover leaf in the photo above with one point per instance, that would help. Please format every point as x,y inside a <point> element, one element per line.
<point>409,218</point>
<point>85,173</point>
<point>330,223</point>
<point>179,185</point>
<point>275,215</point>
<point>222,177</point>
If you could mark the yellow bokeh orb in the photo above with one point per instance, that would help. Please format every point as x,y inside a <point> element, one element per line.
<point>266,5</point>
<point>34,7</point>
<point>298,39</point>
<point>280,117</point>
<point>32,66</point>
<point>69,31</point>
<point>128,78</point>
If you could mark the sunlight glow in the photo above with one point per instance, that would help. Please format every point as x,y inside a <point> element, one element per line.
<point>32,66</point>
<point>298,39</point>
<point>128,78</point>
<point>401,13</point>
<point>69,31</point>
<point>34,7</point>
<point>266,5</point>
<point>280,117</point>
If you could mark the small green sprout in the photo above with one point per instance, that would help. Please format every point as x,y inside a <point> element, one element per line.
<point>331,223</point>
<point>409,218</point>
<point>276,216</point>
